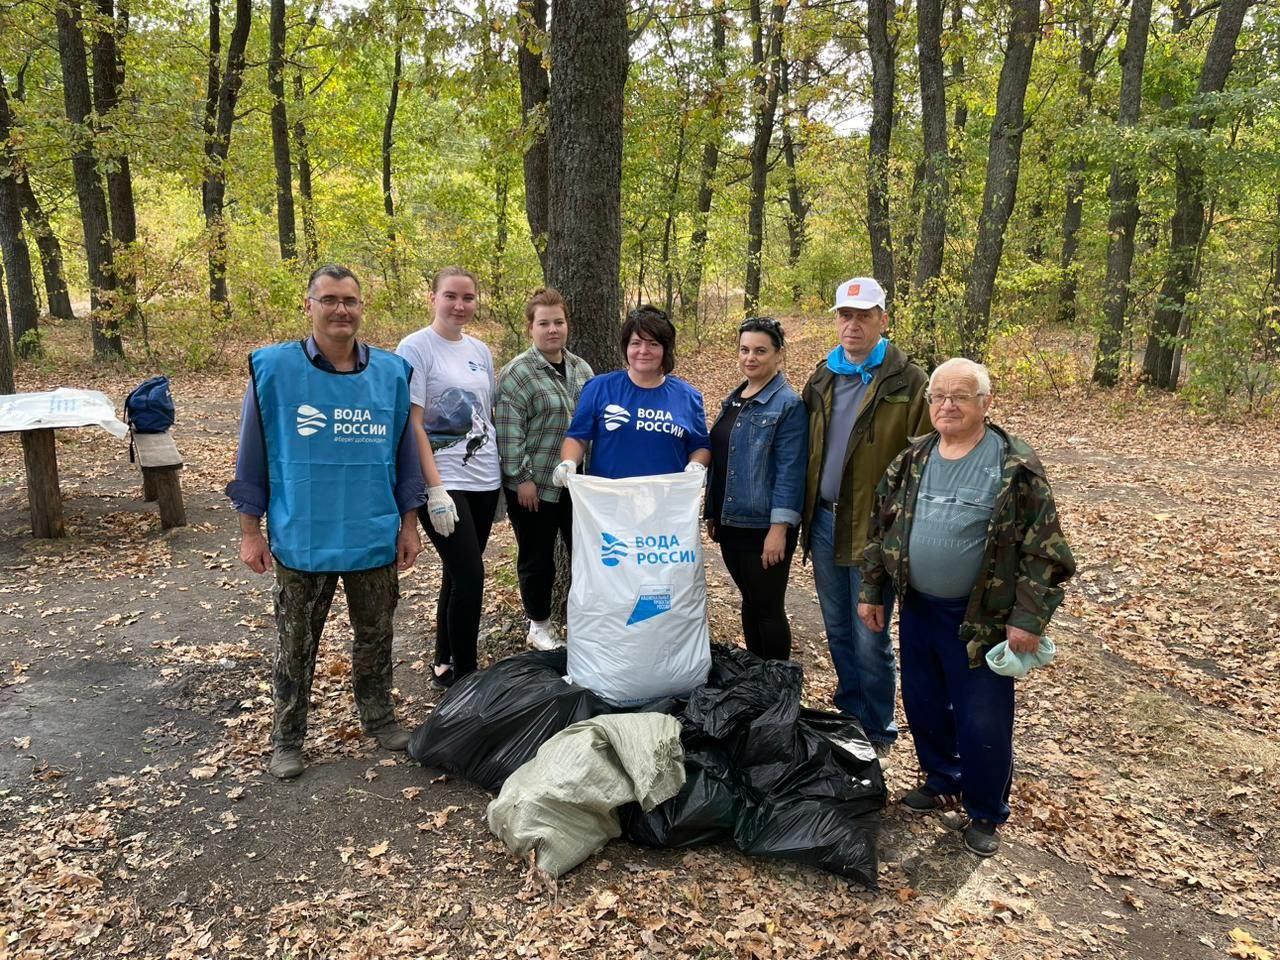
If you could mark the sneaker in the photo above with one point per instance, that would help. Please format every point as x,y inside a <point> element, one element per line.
<point>927,800</point>
<point>391,737</point>
<point>286,763</point>
<point>980,838</point>
<point>442,681</point>
<point>541,638</point>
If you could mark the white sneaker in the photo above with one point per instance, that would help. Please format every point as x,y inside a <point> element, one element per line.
<point>541,638</point>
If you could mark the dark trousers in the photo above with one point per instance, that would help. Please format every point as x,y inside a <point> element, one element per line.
<point>302,602</point>
<point>462,583</point>
<point>961,718</point>
<point>764,592</point>
<point>536,548</point>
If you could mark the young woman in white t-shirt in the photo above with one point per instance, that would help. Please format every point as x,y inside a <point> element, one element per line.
<point>452,393</point>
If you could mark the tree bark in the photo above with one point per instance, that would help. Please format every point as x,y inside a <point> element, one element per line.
<point>310,243</point>
<point>1188,227</point>
<point>957,69</point>
<point>766,59</point>
<point>535,91</point>
<point>388,143</point>
<point>933,126</point>
<point>1073,209</point>
<point>1122,192</point>
<point>93,204</point>
<point>17,257</point>
<point>673,199</point>
<point>6,352</point>
<point>880,47</point>
<point>286,224</point>
<point>220,111</point>
<point>797,203</point>
<point>108,79</point>
<point>691,294</point>
<point>1003,157</point>
<point>584,240</point>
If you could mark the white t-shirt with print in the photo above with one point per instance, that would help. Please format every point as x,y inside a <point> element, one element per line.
<point>453,382</point>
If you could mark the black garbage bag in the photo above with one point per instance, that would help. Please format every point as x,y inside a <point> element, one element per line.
<point>493,721</point>
<point>704,811</point>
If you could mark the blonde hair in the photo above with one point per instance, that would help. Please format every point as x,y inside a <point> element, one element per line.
<point>444,273</point>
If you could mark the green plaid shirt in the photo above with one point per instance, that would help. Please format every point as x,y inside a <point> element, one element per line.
<point>534,407</point>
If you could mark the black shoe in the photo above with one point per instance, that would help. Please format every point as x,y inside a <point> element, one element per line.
<point>980,838</point>
<point>442,681</point>
<point>928,800</point>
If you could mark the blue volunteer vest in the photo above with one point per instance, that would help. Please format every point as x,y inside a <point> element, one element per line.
<point>332,440</point>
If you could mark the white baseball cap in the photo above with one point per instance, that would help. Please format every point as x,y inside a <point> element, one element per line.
<point>861,293</point>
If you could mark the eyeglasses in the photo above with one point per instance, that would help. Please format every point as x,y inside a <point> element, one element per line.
<point>959,399</point>
<point>331,302</point>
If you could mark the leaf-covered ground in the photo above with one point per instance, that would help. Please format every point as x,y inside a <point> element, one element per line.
<point>134,708</point>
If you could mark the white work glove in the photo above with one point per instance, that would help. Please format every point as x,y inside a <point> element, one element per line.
<point>564,469</point>
<point>441,511</point>
<point>693,466</point>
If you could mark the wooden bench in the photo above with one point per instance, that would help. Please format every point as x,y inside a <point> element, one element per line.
<point>160,462</point>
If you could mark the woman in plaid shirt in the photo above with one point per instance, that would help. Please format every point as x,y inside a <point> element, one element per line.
<point>537,392</point>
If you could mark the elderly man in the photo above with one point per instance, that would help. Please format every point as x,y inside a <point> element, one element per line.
<point>324,453</point>
<point>865,401</point>
<point>966,531</point>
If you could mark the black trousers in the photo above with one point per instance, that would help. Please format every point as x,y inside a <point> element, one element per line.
<point>764,592</point>
<point>462,584</point>
<point>536,548</point>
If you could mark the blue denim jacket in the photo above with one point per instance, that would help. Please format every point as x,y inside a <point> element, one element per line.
<point>768,449</point>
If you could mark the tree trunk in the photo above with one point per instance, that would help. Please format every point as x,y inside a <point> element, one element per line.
<point>673,200</point>
<point>933,126</point>
<point>388,142</point>
<point>797,204</point>
<point>691,294</point>
<point>880,46</point>
<point>589,50</point>
<point>17,256</point>
<point>310,243</point>
<point>957,70</point>
<point>93,204</point>
<point>286,225</point>
<point>220,112</point>
<point>1073,209</point>
<point>1122,192</point>
<point>766,59</point>
<point>1189,227</point>
<point>535,90</point>
<point>1003,156</point>
<point>7,384</point>
<point>108,79</point>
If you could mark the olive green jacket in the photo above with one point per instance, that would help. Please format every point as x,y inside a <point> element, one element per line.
<point>893,411</point>
<point>1026,560</point>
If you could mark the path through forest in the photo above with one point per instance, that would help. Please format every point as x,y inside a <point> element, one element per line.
<point>135,710</point>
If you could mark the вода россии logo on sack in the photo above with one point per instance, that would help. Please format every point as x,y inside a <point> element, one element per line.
<point>649,551</point>
<point>310,420</point>
<point>350,424</point>
<point>612,550</point>
<point>615,416</point>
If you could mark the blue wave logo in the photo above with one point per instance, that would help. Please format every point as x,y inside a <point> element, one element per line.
<point>615,416</point>
<point>612,550</point>
<point>310,420</point>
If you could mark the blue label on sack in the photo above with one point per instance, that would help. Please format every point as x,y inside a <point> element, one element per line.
<point>651,602</point>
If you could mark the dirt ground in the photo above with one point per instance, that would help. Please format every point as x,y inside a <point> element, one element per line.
<point>138,820</point>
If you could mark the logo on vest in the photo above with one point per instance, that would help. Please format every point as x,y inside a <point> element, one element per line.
<point>310,420</point>
<point>615,417</point>
<point>613,550</point>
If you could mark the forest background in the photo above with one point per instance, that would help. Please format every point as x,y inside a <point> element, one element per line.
<point>173,170</point>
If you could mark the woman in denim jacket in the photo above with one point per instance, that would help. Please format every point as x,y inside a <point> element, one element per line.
<point>759,446</point>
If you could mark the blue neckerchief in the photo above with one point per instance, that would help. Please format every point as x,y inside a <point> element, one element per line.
<point>838,361</point>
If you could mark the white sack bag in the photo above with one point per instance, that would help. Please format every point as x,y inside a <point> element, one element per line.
<point>638,603</point>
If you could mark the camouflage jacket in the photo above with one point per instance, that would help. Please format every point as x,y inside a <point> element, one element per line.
<point>1026,560</point>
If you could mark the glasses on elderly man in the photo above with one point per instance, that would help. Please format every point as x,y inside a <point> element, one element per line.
<point>959,399</point>
<point>330,302</point>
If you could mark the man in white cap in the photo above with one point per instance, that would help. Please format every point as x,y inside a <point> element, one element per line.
<point>865,401</point>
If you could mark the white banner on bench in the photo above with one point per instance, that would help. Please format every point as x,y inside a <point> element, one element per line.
<point>64,407</point>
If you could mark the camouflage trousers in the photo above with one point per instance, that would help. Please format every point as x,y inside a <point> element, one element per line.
<point>302,602</point>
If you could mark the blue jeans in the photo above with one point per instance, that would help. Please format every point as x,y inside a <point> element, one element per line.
<point>863,658</point>
<point>961,717</point>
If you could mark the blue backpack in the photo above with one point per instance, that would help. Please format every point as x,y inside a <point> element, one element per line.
<point>149,408</point>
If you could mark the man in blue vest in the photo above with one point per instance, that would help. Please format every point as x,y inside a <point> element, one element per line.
<point>324,453</point>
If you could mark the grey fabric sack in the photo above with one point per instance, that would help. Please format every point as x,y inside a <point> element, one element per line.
<point>563,803</point>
